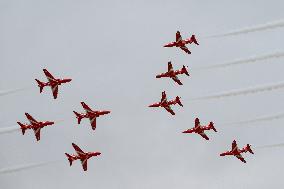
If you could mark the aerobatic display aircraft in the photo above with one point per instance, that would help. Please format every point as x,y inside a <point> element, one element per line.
<point>52,82</point>
<point>237,152</point>
<point>200,129</point>
<point>181,43</point>
<point>34,125</point>
<point>91,114</point>
<point>167,104</point>
<point>83,156</point>
<point>171,73</point>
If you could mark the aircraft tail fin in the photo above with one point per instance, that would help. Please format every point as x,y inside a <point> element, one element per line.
<point>211,126</point>
<point>23,127</point>
<point>248,148</point>
<point>178,101</point>
<point>40,84</point>
<point>184,70</point>
<point>193,39</point>
<point>78,116</point>
<point>70,158</point>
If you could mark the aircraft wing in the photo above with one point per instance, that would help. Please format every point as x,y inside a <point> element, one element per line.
<point>240,157</point>
<point>204,135</point>
<point>84,163</point>
<point>30,118</point>
<point>178,36</point>
<point>86,107</point>
<point>185,49</point>
<point>176,79</point>
<point>189,131</point>
<point>78,150</point>
<point>37,133</point>
<point>234,145</point>
<point>48,75</point>
<point>54,89</point>
<point>93,123</point>
<point>170,66</point>
<point>169,109</point>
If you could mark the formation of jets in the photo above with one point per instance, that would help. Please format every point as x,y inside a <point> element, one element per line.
<point>92,115</point>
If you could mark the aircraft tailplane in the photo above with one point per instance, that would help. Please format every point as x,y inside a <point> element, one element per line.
<point>70,158</point>
<point>40,84</point>
<point>78,116</point>
<point>23,127</point>
<point>178,101</point>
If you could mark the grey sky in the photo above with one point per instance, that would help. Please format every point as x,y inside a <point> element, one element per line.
<point>112,50</point>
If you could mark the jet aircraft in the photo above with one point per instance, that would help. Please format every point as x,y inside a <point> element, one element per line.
<point>235,151</point>
<point>200,129</point>
<point>91,114</point>
<point>181,43</point>
<point>34,125</point>
<point>82,156</point>
<point>167,104</point>
<point>52,82</point>
<point>171,73</point>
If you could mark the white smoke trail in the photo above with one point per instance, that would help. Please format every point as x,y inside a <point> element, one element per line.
<point>272,146</point>
<point>7,92</point>
<point>259,119</point>
<point>270,25</point>
<point>245,61</point>
<point>243,91</point>
<point>9,129</point>
<point>24,167</point>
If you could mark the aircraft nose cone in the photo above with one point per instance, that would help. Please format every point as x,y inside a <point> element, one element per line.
<point>98,153</point>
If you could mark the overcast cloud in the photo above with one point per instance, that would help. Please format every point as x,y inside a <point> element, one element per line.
<point>112,50</point>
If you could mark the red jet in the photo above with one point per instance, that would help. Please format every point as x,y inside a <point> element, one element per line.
<point>237,152</point>
<point>91,114</point>
<point>200,129</point>
<point>173,74</point>
<point>167,104</point>
<point>52,82</point>
<point>83,156</point>
<point>35,125</point>
<point>181,43</point>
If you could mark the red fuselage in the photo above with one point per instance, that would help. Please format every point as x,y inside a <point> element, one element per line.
<point>169,74</point>
<point>234,152</point>
<point>164,103</point>
<point>96,113</point>
<point>199,129</point>
<point>57,82</point>
<point>93,114</point>
<point>38,125</point>
<point>181,43</point>
<point>85,156</point>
